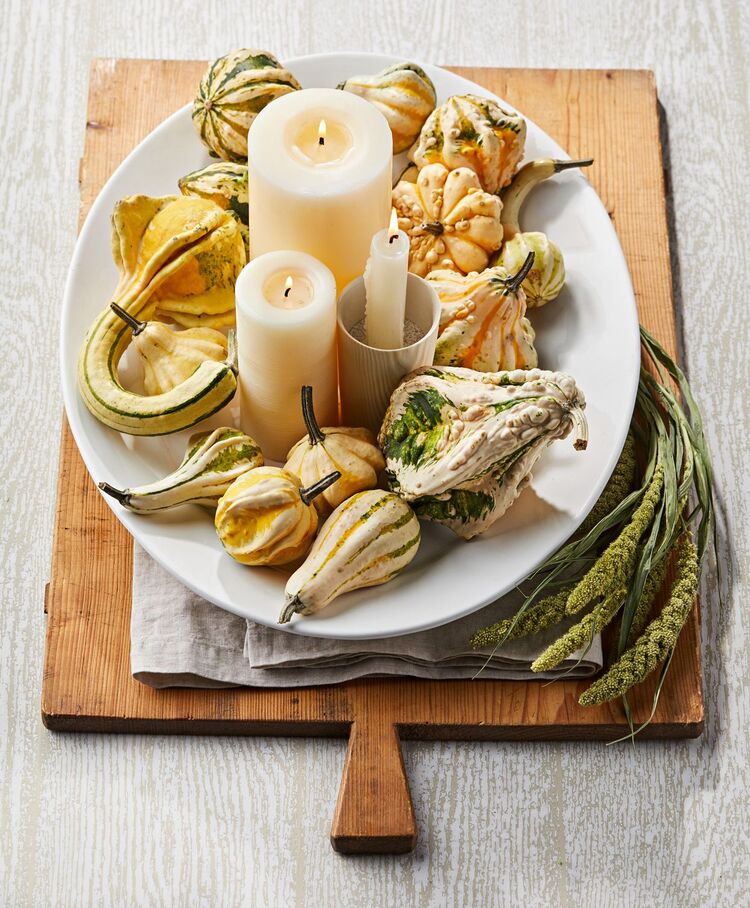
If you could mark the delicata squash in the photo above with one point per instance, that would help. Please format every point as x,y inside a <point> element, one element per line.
<point>178,257</point>
<point>460,445</point>
<point>368,540</point>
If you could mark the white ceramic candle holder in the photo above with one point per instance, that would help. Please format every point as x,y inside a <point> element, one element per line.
<point>368,375</point>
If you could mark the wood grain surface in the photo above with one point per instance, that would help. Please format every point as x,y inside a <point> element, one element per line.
<point>127,820</point>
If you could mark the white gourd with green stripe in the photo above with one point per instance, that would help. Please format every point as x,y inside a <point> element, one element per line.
<point>368,540</point>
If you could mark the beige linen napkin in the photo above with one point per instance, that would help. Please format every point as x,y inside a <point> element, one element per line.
<point>178,639</point>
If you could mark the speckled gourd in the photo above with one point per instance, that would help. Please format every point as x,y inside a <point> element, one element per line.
<point>460,445</point>
<point>368,540</point>
<point>212,462</point>
<point>266,518</point>
<point>351,451</point>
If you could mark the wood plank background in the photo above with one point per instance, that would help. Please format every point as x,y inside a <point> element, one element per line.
<point>124,820</point>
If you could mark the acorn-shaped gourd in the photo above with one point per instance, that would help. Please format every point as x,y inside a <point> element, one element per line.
<point>266,517</point>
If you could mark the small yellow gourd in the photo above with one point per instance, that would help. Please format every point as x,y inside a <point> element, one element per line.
<point>169,357</point>
<point>482,320</point>
<point>469,131</point>
<point>266,517</point>
<point>351,451</point>
<point>403,93</point>
<point>450,220</point>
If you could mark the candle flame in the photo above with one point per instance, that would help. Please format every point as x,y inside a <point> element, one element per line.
<point>322,132</point>
<point>393,227</point>
<point>288,286</point>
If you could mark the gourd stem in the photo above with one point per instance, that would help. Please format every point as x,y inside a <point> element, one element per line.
<point>308,414</point>
<point>568,165</point>
<point>514,282</point>
<point>291,606</point>
<point>117,494</point>
<point>316,488</point>
<point>581,426</point>
<point>433,227</point>
<point>136,325</point>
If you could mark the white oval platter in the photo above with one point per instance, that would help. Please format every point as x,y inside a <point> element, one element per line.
<point>591,331</point>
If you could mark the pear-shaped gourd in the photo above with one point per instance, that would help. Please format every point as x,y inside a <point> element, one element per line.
<point>545,278</point>
<point>169,357</point>
<point>266,517</point>
<point>459,445</point>
<point>449,219</point>
<point>233,91</point>
<point>403,93</point>
<point>351,451</point>
<point>469,131</point>
<point>368,540</point>
<point>178,257</point>
<point>212,462</point>
<point>482,319</point>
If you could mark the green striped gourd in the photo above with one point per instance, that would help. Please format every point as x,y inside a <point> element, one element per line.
<point>368,540</point>
<point>178,257</point>
<point>224,183</point>
<point>459,445</point>
<point>469,131</point>
<point>233,91</point>
<point>212,462</point>
<point>403,93</point>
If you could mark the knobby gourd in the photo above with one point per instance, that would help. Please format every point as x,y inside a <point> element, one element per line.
<point>233,91</point>
<point>546,278</point>
<point>403,93</point>
<point>176,256</point>
<point>212,462</point>
<point>482,319</point>
<point>266,517</point>
<point>460,445</point>
<point>450,220</point>
<point>368,540</point>
<point>474,132</point>
<point>351,451</point>
<point>169,357</point>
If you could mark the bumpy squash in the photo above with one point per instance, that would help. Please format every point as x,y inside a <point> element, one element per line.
<point>468,131</point>
<point>352,451</point>
<point>459,445</point>
<point>266,517</point>
<point>546,277</point>
<point>176,256</point>
<point>403,93</point>
<point>225,184</point>
<point>212,462</point>
<point>482,320</point>
<point>450,221</point>
<point>169,357</point>
<point>368,540</point>
<point>233,91</point>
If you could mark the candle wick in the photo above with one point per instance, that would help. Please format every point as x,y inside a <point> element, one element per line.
<point>321,140</point>
<point>392,237</point>
<point>286,292</point>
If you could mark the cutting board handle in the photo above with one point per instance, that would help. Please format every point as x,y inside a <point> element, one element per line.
<point>374,812</point>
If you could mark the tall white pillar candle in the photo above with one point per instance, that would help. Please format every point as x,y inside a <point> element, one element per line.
<point>319,178</point>
<point>286,338</point>
<point>385,285</point>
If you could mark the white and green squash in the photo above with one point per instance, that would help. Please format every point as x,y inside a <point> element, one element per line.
<point>368,540</point>
<point>460,445</point>
<point>233,91</point>
<point>212,462</point>
<point>403,93</point>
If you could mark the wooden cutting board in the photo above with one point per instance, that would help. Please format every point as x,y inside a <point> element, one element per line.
<point>612,116</point>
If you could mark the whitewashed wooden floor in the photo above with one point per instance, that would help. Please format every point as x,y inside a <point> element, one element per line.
<point>95,820</point>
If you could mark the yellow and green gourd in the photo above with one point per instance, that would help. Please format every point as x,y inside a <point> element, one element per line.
<point>368,540</point>
<point>224,183</point>
<point>351,451</point>
<point>177,257</point>
<point>212,462</point>
<point>474,132</point>
<point>403,93</point>
<point>483,324</point>
<point>233,91</point>
<point>266,518</point>
<point>460,445</point>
